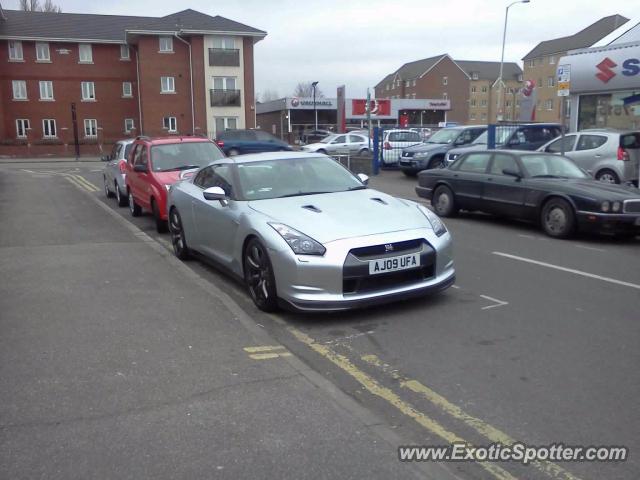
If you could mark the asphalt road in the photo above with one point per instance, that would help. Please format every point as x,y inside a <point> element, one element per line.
<point>536,343</point>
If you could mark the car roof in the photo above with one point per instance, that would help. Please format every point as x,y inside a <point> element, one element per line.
<point>261,157</point>
<point>173,139</point>
<point>614,131</point>
<point>126,141</point>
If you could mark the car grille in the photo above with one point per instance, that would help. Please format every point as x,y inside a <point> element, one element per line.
<point>631,206</point>
<point>356,278</point>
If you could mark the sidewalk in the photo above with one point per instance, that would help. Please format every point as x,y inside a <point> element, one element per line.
<point>114,364</point>
<point>47,159</point>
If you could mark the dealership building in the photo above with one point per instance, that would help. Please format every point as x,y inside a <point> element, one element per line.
<point>604,82</point>
<point>288,117</point>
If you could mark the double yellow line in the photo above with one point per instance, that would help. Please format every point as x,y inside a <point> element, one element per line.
<point>80,182</point>
<point>487,431</point>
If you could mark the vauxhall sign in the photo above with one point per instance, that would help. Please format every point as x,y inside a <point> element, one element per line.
<point>604,69</point>
<point>305,103</point>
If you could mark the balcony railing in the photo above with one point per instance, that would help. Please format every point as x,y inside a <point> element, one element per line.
<point>225,98</point>
<point>224,57</point>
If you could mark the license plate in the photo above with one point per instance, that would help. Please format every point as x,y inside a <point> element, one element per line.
<point>393,264</point>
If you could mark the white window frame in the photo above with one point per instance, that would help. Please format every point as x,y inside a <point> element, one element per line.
<point>484,89</point>
<point>126,94</point>
<point>16,53</point>
<point>85,53</point>
<point>88,91</point>
<point>170,84</point>
<point>548,104</point>
<point>24,125</point>
<point>474,76</point>
<point>551,81</point>
<point>532,62</point>
<point>129,124</point>
<point>170,124</point>
<point>50,122</point>
<point>226,122</point>
<point>91,126</point>
<point>225,83</point>
<point>165,44</point>
<point>472,116</point>
<point>43,47</point>
<point>225,43</point>
<point>473,102</point>
<point>445,95</point>
<point>413,84</point>
<point>445,80</point>
<point>124,49</point>
<point>47,90</point>
<point>387,87</point>
<point>19,87</point>
<point>552,60</point>
<point>483,102</point>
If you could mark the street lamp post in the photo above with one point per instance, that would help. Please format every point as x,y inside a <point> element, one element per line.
<point>504,37</point>
<point>315,111</point>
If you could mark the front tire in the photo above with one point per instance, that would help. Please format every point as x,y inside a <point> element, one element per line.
<point>557,218</point>
<point>436,162</point>
<point>258,276</point>
<point>608,176</point>
<point>443,202</point>
<point>178,241</point>
<point>134,208</point>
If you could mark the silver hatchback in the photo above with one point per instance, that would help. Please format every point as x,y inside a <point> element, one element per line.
<point>611,156</point>
<point>113,174</point>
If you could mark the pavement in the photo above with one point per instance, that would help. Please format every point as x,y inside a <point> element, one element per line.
<point>536,342</point>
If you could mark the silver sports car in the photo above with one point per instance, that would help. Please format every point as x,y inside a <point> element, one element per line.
<point>304,233</point>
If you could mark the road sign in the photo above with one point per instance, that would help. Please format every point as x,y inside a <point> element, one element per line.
<point>564,80</point>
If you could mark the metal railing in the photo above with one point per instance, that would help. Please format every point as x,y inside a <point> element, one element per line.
<point>225,98</point>
<point>224,57</point>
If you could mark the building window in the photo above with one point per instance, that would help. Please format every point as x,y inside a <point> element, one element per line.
<point>90,127</point>
<point>128,125</point>
<point>170,123</point>
<point>508,115</point>
<point>483,102</point>
<point>551,81</point>
<point>473,89</point>
<point>127,90</point>
<point>387,87</point>
<point>484,89</point>
<point>413,95</point>
<point>85,54</point>
<point>473,102</point>
<point>22,125</point>
<point>445,95</point>
<point>445,80</point>
<point>552,60</point>
<point>15,51</point>
<point>227,43</point>
<point>167,85</point>
<point>46,90</point>
<point>484,116</point>
<point>507,103</point>
<point>166,44</point>
<point>414,82</point>
<point>42,52</point>
<point>49,128</point>
<point>472,116</point>
<point>540,82</point>
<point>224,83</point>
<point>19,89</point>
<point>474,76</point>
<point>532,62</point>
<point>124,52</point>
<point>226,123</point>
<point>88,91</point>
<point>548,104</point>
<point>519,77</point>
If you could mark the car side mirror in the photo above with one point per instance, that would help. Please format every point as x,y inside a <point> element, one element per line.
<point>364,178</point>
<point>512,173</point>
<point>140,168</point>
<point>214,193</point>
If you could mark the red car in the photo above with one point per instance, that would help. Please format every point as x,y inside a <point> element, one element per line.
<point>156,163</point>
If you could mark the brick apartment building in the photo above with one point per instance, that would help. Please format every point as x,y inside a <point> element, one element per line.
<point>68,79</point>
<point>540,63</point>
<point>470,86</point>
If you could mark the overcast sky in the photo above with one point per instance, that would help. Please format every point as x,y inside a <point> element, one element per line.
<point>358,42</point>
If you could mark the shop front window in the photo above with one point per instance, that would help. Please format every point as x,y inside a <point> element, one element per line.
<point>614,110</point>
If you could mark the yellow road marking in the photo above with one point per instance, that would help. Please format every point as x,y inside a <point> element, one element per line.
<point>392,398</point>
<point>86,182</point>
<point>483,428</point>
<point>265,348</point>
<point>77,184</point>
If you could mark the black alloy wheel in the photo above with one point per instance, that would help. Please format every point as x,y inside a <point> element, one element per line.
<point>258,276</point>
<point>178,242</point>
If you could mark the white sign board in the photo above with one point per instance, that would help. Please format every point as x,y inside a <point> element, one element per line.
<point>564,80</point>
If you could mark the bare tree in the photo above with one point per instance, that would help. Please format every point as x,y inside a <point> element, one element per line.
<point>268,95</point>
<point>305,89</point>
<point>35,6</point>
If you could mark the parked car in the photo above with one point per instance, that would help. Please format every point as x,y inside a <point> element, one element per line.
<point>114,171</point>
<point>312,136</point>
<point>351,143</point>
<point>156,163</point>
<point>304,232</point>
<point>541,187</point>
<point>240,142</point>
<point>394,141</point>
<point>424,132</point>
<point>524,136</point>
<point>431,153</point>
<point>611,156</point>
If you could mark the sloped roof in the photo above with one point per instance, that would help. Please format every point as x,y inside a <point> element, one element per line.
<point>414,69</point>
<point>111,28</point>
<point>490,70</point>
<point>584,38</point>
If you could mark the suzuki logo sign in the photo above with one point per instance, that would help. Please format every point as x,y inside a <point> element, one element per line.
<point>605,67</point>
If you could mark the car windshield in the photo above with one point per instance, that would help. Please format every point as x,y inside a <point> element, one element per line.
<point>446,135</point>
<point>502,135</point>
<point>180,156</point>
<point>551,166</point>
<point>294,177</point>
<point>328,139</point>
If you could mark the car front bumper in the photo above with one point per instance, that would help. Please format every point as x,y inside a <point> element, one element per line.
<point>609,223</point>
<point>319,283</point>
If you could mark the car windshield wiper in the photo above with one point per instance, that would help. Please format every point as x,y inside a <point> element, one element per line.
<point>299,194</point>
<point>181,167</point>
<point>357,187</point>
<point>548,176</point>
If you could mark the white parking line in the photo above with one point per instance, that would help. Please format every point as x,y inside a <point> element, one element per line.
<point>569,270</point>
<point>498,303</point>
<point>591,248</point>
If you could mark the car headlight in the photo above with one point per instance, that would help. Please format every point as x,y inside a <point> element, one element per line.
<point>420,155</point>
<point>605,206</point>
<point>438,227</point>
<point>453,156</point>
<point>167,186</point>
<point>615,206</point>
<point>300,243</point>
